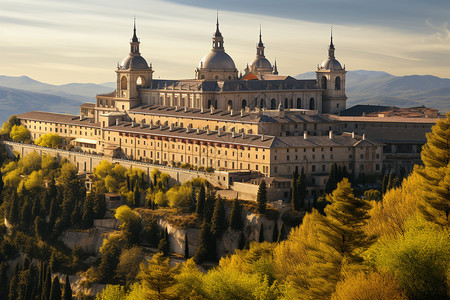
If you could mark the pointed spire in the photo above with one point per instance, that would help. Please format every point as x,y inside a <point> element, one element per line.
<point>275,69</point>
<point>331,43</point>
<point>135,38</point>
<point>260,37</point>
<point>217,26</point>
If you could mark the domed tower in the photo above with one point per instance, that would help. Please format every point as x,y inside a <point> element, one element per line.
<point>133,73</point>
<point>217,64</point>
<point>260,64</point>
<point>331,78</point>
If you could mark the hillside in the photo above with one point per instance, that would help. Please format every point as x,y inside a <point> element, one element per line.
<point>15,101</point>
<point>372,87</point>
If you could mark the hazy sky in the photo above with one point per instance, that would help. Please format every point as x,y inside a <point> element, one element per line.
<point>62,41</point>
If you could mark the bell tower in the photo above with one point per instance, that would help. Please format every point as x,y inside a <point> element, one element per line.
<point>132,74</point>
<point>331,78</point>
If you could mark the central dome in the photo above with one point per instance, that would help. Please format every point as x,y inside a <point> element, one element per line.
<point>217,60</point>
<point>137,62</point>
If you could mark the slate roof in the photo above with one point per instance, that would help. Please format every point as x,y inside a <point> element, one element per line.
<point>58,118</point>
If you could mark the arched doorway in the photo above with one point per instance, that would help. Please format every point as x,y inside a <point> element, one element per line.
<point>311,104</point>
<point>230,104</point>
<point>244,103</point>
<point>299,103</point>
<point>286,103</point>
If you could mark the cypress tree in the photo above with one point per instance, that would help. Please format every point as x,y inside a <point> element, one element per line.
<point>14,209</point>
<point>384,185</point>
<point>302,189</point>
<point>201,201</point>
<point>261,233</point>
<point>208,209</point>
<point>218,225</point>
<point>99,205</point>
<point>192,200</point>
<point>55,293</point>
<point>275,232</point>
<point>67,289</point>
<point>2,186</point>
<point>281,234</point>
<point>390,183</point>
<point>206,245</point>
<point>137,196</point>
<point>4,280</point>
<point>128,183</point>
<point>164,245</point>
<point>261,197</point>
<point>25,215</point>
<point>13,285</point>
<point>36,210</point>
<point>331,182</point>
<point>87,220</point>
<point>47,284</point>
<point>236,222</point>
<point>241,243</point>
<point>295,197</point>
<point>186,246</point>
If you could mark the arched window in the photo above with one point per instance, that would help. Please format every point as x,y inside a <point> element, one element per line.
<point>261,104</point>
<point>230,104</point>
<point>255,105</point>
<point>140,81</point>
<point>123,83</point>
<point>217,77</point>
<point>311,104</point>
<point>244,103</point>
<point>299,103</point>
<point>209,104</point>
<point>323,82</point>
<point>337,83</point>
<point>286,103</point>
<point>203,76</point>
<point>273,104</point>
<point>215,104</point>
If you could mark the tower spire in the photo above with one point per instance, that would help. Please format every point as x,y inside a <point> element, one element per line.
<point>217,37</point>
<point>260,37</point>
<point>135,38</point>
<point>331,42</point>
<point>217,26</point>
<point>134,41</point>
<point>331,48</point>
<point>275,69</point>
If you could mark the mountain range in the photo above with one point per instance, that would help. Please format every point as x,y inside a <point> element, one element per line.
<point>22,94</point>
<point>381,88</point>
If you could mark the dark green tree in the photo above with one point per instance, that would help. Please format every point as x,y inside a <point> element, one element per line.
<point>261,233</point>
<point>13,285</point>
<point>186,246</point>
<point>164,245</point>
<point>36,209</point>
<point>261,197</point>
<point>151,230</point>
<point>4,280</point>
<point>47,286</point>
<point>219,223</point>
<point>275,232</point>
<point>192,200</point>
<point>67,289</point>
<point>99,205</point>
<point>39,228</point>
<point>236,222</point>
<point>2,186</point>
<point>384,184</point>
<point>302,189</point>
<point>136,196</point>
<point>331,182</point>
<point>87,220</point>
<point>55,293</point>
<point>13,216</point>
<point>390,183</point>
<point>295,197</point>
<point>25,214</point>
<point>201,201</point>
<point>208,210</point>
<point>205,245</point>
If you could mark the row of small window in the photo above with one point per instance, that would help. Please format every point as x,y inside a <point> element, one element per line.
<point>305,157</point>
<point>324,168</point>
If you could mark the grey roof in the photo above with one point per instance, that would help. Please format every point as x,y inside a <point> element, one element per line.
<point>331,63</point>
<point>359,109</point>
<point>217,59</point>
<point>261,63</point>
<point>287,83</point>
<point>42,116</point>
<point>137,62</point>
<point>322,141</point>
<point>195,134</point>
<point>220,115</point>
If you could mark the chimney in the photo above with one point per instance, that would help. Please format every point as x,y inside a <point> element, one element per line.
<point>242,112</point>
<point>187,129</point>
<point>364,114</point>
<point>262,138</point>
<point>219,132</point>
<point>176,107</point>
<point>198,130</point>
<point>330,134</point>
<point>305,135</point>
<point>117,122</point>
<point>185,109</point>
<point>212,109</point>
<point>201,110</point>
<point>142,125</point>
<point>132,123</point>
<point>208,132</point>
<point>243,135</point>
<point>81,117</point>
<point>353,134</point>
<point>231,112</point>
<point>233,134</point>
<point>364,136</point>
<point>171,126</point>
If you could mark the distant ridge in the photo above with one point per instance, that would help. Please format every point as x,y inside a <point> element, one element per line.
<point>381,88</point>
